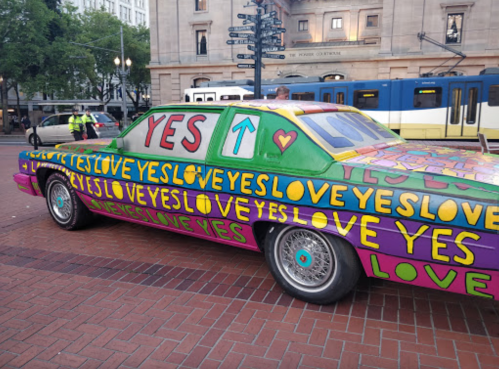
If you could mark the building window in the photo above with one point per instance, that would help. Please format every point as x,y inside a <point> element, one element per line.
<point>109,6</point>
<point>303,25</point>
<point>454,28</point>
<point>140,18</point>
<point>198,81</point>
<point>372,21</point>
<point>201,43</point>
<point>200,5</point>
<point>125,14</point>
<point>336,23</point>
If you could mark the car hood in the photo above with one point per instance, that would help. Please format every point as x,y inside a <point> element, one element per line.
<point>85,146</point>
<point>434,160</point>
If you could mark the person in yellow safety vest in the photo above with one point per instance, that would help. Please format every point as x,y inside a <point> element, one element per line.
<point>89,125</point>
<point>76,126</point>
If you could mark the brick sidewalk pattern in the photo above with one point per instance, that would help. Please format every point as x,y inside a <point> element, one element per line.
<point>120,295</point>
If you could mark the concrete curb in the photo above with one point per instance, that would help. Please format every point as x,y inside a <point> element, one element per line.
<point>12,138</point>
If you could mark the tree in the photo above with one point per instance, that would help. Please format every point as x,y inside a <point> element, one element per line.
<point>23,29</point>
<point>137,48</point>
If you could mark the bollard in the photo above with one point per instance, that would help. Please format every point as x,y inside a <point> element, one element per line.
<point>35,138</point>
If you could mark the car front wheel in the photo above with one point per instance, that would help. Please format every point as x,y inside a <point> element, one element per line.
<point>312,266</point>
<point>32,139</point>
<point>64,205</point>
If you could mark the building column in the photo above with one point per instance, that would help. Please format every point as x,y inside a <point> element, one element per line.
<point>354,25</point>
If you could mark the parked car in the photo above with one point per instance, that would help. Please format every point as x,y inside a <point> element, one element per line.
<point>54,129</point>
<point>321,189</point>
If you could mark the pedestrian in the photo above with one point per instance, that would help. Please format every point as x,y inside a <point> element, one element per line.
<point>282,93</point>
<point>89,125</point>
<point>76,126</point>
<point>25,122</point>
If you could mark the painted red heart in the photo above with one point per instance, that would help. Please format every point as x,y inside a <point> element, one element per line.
<point>284,140</point>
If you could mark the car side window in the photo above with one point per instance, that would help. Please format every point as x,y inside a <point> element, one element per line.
<point>177,134</point>
<point>63,119</point>
<point>51,121</point>
<point>241,137</point>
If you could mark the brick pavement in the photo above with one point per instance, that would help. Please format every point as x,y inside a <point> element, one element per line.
<point>123,295</point>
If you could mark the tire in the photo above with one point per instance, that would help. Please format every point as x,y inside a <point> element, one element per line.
<point>291,253</point>
<point>64,205</point>
<point>32,140</point>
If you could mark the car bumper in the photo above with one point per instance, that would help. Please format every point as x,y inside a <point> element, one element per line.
<point>108,134</point>
<point>27,184</point>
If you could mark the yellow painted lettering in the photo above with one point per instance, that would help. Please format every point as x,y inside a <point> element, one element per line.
<point>131,194</point>
<point>125,168</point>
<point>99,193</point>
<point>409,239</point>
<point>114,168</point>
<point>259,206</point>
<point>240,209</point>
<point>89,186</point>
<point>283,214</point>
<point>186,203</point>
<point>296,217</point>
<point>336,195</point>
<point>79,162</point>
<point>472,215</point>
<point>363,197</point>
<point>262,191</point>
<point>380,201</point>
<point>469,257</point>
<point>164,178</point>
<point>204,181</point>
<point>365,232</point>
<point>436,245</point>
<point>80,181</point>
<point>216,181</point>
<point>140,195</point>
<point>165,198</point>
<point>223,210</point>
<point>178,205</point>
<point>176,180</point>
<point>275,191</point>
<point>344,230</point>
<point>153,195</point>
<point>142,169</point>
<point>316,196</point>
<point>232,179</point>
<point>272,210</point>
<point>107,192</point>
<point>152,171</point>
<point>246,182</point>
<point>492,218</point>
<point>425,208</point>
<point>406,208</point>
<point>96,169</point>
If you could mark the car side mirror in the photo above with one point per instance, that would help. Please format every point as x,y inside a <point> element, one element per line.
<point>120,143</point>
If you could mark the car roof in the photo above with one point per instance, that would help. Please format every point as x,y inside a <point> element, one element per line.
<point>297,107</point>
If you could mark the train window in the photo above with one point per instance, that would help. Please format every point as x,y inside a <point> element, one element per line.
<point>230,97</point>
<point>472,105</point>
<point>455,112</point>
<point>326,97</point>
<point>366,99</point>
<point>209,99</point>
<point>340,98</point>
<point>494,95</point>
<point>248,97</point>
<point>303,96</point>
<point>187,98</point>
<point>271,96</point>
<point>428,97</point>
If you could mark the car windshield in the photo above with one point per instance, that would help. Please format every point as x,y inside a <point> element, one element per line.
<point>340,132</point>
<point>104,118</point>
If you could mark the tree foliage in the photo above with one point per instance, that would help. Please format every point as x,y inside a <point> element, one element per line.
<point>39,51</point>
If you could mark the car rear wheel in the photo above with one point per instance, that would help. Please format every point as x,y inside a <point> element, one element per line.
<point>64,205</point>
<point>32,140</point>
<point>312,266</point>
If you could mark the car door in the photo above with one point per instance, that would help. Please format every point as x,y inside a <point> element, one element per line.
<point>47,131</point>
<point>63,133</point>
<point>159,167</point>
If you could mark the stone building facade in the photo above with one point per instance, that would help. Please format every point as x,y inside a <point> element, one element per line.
<point>334,39</point>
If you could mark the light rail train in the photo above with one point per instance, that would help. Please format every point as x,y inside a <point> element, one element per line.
<point>456,107</point>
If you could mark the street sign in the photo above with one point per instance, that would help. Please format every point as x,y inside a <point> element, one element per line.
<point>268,15</point>
<point>252,48</point>
<point>273,56</point>
<point>249,21</point>
<point>274,21</point>
<point>241,35</point>
<point>270,33</point>
<point>240,42</point>
<point>246,56</point>
<point>247,17</point>
<point>246,66</point>
<point>243,28</point>
<point>273,48</point>
<point>271,41</point>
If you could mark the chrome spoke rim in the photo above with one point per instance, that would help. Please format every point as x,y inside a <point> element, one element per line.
<point>60,202</point>
<point>305,258</point>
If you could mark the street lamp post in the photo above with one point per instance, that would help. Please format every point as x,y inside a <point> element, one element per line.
<point>123,74</point>
<point>146,98</point>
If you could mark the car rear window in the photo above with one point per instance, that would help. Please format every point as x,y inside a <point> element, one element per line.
<point>340,132</point>
<point>104,118</point>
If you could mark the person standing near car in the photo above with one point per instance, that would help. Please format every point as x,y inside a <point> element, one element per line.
<point>25,122</point>
<point>89,125</point>
<point>76,126</point>
<point>282,93</point>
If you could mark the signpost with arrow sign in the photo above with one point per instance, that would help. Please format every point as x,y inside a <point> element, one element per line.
<point>263,35</point>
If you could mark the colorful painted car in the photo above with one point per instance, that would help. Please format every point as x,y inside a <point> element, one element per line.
<point>321,189</point>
